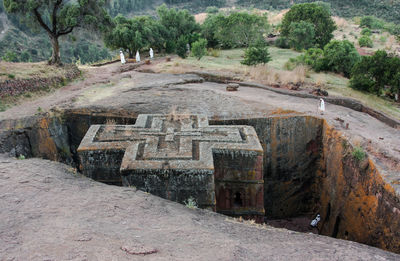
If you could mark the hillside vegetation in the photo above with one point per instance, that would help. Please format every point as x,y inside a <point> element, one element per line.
<point>19,44</point>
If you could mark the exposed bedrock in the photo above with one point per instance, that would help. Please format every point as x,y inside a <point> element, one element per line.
<point>308,169</point>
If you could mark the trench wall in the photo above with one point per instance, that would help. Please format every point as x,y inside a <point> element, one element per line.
<point>308,169</point>
<point>355,202</point>
<point>292,149</point>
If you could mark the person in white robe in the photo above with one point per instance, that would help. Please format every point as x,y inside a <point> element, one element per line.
<point>121,54</point>
<point>321,106</point>
<point>151,53</point>
<point>315,221</point>
<point>137,57</point>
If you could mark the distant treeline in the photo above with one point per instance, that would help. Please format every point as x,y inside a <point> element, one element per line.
<point>388,10</point>
<point>138,6</point>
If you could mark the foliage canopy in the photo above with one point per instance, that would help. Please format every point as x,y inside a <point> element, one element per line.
<point>134,34</point>
<point>337,56</point>
<point>256,55</point>
<point>301,35</point>
<point>365,41</point>
<point>177,23</point>
<point>313,13</point>
<point>60,17</point>
<point>199,48</point>
<point>377,73</point>
<point>239,29</point>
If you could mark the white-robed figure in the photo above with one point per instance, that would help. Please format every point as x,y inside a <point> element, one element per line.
<point>123,61</point>
<point>137,57</point>
<point>315,221</point>
<point>321,106</point>
<point>151,52</point>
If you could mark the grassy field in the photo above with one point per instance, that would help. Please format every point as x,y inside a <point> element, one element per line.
<point>274,73</point>
<point>28,70</point>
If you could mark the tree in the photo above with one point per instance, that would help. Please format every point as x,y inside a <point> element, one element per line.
<point>209,28</point>
<point>134,34</point>
<point>340,57</point>
<point>257,54</point>
<point>377,73</point>
<point>181,47</point>
<point>314,13</point>
<point>365,41</point>
<point>301,35</point>
<point>199,48</point>
<point>239,29</point>
<point>60,17</point>
<point>337,56</point>
<point>176,23</point>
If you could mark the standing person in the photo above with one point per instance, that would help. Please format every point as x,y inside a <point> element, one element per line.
<point>151,53</point>
<point>321,106</point>
<point>121,54</point>
<point>137,57</point>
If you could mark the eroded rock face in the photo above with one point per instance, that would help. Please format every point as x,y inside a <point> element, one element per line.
<point>355,201</point>
<point>292,148</point>
<point>178,157</point>
<point>307,168</point>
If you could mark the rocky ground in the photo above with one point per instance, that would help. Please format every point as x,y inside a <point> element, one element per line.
<point>51,213</point>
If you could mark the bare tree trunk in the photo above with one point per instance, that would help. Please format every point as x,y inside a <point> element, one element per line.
<point>55,58</point>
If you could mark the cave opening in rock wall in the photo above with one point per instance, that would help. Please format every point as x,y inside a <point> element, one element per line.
<point>307,170</point>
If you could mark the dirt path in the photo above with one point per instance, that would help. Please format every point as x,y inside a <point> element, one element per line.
<point>49,212</point>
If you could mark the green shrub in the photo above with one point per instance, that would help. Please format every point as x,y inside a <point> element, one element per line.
<point>313,58</point>
<point>199,48</point>
<point>337,56</point>
<point>181,47</point>
<point>282,42</point>
<point>359,154</point>
<point>11,76</point>
<point>365,41</point>
<point>10,56</point>
<point>377,74</point>
<point>212,10</point>
<point>340,57</point>
<point>256,55</point>
<point>366,31</point>
<point>372,22</point>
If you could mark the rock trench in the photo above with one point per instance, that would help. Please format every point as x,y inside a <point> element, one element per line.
<point>308,169</point>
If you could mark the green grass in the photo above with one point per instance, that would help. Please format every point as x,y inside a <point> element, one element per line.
<point>230,60</point>
<point>28,70</point>
<point>281,56</point>
<point>358,154</point>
